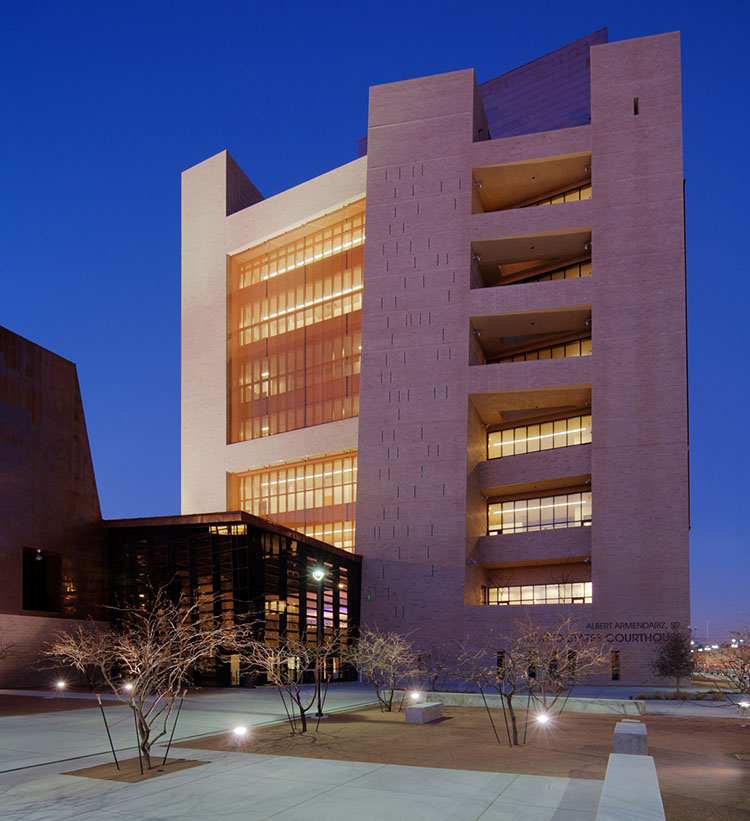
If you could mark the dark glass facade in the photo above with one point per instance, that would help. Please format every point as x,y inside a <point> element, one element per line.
<point>254,571</point>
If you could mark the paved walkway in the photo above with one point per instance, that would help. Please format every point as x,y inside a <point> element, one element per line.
<point>42,738</point>
<point>36,751</point>
<point>247,786</point>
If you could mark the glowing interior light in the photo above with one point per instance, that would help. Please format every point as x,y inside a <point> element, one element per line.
<point>542,718</point>
<point>310,304</point>
<point>535,438</point>
<point>240,730</point>
<point>303,478</point>
<point>542,507</point>
<point>327,253</point>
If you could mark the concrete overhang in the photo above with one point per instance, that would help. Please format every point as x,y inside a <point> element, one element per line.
<point>540,547</point>
<point>497,409</point>
<point>505,334</point>
<point>495,475</point>
<point>503,258</point>
<point>536,487</point>
<point>511,184</point>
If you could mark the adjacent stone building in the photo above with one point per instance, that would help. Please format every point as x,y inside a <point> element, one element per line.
<point>52,550</point>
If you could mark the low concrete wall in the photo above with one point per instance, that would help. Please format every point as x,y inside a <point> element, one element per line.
<point>607,706</point>
<point>24,666</point>
<point>631,790</point>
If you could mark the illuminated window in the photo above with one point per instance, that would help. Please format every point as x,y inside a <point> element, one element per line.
<point>561,433</point>
<point>567,593</point>
<point>578,347</point>
<point>315,497</point>
<point>544,513</point>
<point>295,327</point>
<point>579,192</point>
<point>575,271</point>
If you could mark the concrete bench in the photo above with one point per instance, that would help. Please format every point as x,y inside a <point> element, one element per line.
<point>631,790</point>
<point>424,713</point>
<point>631,738</point>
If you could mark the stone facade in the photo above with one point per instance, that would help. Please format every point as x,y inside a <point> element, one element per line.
<point>472,213</point>
<point>51,544</point>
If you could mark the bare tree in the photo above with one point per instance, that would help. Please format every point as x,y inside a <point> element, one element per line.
<point>82,649</point>
<point>436,665</point>
<point>673,658</point>
<point>8,649</point>
<point>148,658</point>
<point>731,662</point>
<point>288,665</point>
<point>538,661</point>
<point>560,657</point>
<point>388,660</point>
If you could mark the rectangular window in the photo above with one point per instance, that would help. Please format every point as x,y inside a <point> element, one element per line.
<point>562,433</point>
<point>295,318</point>
<point>566,593</point>
<point>574,270</point>
<point>579,347</point>
<point>574,194</point>
<point>317,497</point>
<point>42,580</point>
<point>543,513</point>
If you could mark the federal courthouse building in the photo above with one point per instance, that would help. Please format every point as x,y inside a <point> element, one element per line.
<point>459,361</point>
<point>463,355</point>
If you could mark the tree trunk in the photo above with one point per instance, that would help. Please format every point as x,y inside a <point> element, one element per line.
<point>513,723</point>
<point>144,732</point>
<point>302,717</point>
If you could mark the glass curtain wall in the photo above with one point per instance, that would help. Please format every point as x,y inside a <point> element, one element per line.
<point>317,497</point>
<point>295,319</point>
<point>247,574</point>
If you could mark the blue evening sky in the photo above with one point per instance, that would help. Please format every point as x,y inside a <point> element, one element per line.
<point>104,104</point>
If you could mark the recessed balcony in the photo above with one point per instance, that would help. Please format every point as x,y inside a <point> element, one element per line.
<point>532,335</point>
<point>517,184</point>
<point>531,258</point>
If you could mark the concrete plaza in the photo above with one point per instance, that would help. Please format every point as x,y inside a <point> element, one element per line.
<point>36,750</point>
